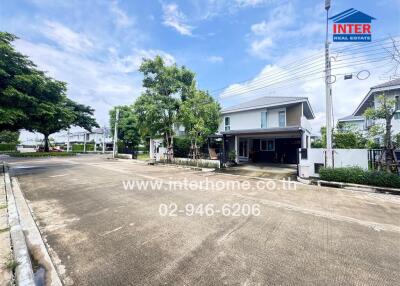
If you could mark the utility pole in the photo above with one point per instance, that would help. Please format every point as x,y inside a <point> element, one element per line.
<point>328,93</point>
<point>115,148</point>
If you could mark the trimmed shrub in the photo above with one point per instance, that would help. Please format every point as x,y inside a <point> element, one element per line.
<point>8,147</point>
<point>79,147</point>
<point>42,154</point>
<point>356,175</point>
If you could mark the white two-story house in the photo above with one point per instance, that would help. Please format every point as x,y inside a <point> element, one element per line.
<point>358,122</point>
<point>267,129</point>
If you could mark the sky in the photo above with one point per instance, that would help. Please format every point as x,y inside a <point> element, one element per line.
<point>239,49</point>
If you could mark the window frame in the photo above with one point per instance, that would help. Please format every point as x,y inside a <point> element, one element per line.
<point>227,127</point>
<point>266,144</point>
<point>279,118</point>
<point>266,119</point>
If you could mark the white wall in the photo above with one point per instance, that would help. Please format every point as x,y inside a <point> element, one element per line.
<point>251,119</point>
<point>342,158</point>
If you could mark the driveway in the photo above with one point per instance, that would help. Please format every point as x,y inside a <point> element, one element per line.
<point>104,225</point>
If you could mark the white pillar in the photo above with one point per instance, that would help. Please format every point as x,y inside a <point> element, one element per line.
<point>84,142</point>
<point>151,151</point>
<point>237,149</point>
<point>104,140</point>
<point>68,147</point>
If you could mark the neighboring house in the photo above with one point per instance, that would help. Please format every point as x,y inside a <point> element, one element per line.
<point>358,122</point>
<point>267,129</point>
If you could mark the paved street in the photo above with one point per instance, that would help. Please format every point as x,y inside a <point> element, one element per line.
<point>101,234</point>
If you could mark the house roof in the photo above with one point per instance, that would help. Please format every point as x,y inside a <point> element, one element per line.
<point>352,118</point>
<point>352,16</point>
<point>271,101</point>
<point>367,101</point>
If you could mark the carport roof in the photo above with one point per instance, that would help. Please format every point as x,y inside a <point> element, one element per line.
<point>263,130</point>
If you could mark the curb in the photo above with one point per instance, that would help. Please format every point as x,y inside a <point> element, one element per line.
<point>23,272</point>
<point>349,186</point>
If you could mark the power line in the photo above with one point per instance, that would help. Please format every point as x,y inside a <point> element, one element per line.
<point>313,70</point>
<point>239,91</point>
<point>296,65</point>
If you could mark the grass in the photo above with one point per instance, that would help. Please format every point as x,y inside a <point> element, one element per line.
<point>143,157</point>
<point>4,229</point>
<point>11,264</point>
<point>3,206</point>
<point>42,154</point>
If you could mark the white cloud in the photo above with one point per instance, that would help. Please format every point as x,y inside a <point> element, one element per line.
<point>251,3</point>
<point>65,37</point>
<point>176,19</point>
<point>132,62</point>
<point>266,33</point>
<point>121,19</point>
<point>215,59</point>
<point>91,82</point>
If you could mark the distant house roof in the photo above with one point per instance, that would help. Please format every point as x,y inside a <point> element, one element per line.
<point>367,101</point>
<point>352,118</point>
<point>388,84</point>
<point>271,101</point>
<point>352,16</point>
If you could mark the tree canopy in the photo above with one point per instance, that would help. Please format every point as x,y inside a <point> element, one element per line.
<point>200,115</point>
<point>31,100</point>
<point>128,130</point>
<point>157,108</point>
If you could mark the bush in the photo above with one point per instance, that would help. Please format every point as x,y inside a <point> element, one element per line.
<point>181,147</point>
<point>8,147</point>
<point>79,147</point>
<point>42,154</point>
<point>356,175</point>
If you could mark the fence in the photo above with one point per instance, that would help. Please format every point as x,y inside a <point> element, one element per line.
<point>312,159</point>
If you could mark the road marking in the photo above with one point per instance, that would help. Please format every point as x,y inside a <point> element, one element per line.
<point>55,176</point>
<point>111,231</point>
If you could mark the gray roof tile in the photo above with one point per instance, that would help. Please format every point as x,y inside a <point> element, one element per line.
<point>263,101</point>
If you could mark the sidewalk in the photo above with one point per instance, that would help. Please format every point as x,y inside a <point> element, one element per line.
<point>5,246</point>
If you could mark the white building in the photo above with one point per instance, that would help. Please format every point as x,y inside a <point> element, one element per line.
<point>358,122</point>
<point>267,129</point>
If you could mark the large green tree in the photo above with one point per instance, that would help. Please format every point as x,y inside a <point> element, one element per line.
<point>157,108</point>
<point>384,110</point>
<point>128,130</point>
<point>21,85</point>
<point>31,100</point>
<point>200,115</point>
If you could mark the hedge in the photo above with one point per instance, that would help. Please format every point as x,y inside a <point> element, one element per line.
<point>42,154</point>
<point>79,147</point>
<point>356,175</point>
<point>8,147</point>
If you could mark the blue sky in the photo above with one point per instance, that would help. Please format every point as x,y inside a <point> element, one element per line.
<point>97,46</point>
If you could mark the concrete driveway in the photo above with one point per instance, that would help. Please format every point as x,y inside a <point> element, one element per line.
<point>102,230</point>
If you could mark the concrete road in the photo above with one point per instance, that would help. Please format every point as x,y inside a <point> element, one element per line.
<point>99,233</point>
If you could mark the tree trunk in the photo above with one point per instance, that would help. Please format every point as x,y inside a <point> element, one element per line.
<point>46,143</point>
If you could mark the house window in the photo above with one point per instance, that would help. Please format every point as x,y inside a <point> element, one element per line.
<point>282,118</point>
<point>267,145</point>
<point>397,102</point>
<point>263,119</point>
<point>227,123</point>
<point>397,115</point>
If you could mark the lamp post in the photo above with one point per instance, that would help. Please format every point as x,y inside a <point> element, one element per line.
<point>115,149</point>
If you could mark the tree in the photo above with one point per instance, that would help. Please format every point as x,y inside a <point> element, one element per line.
<point>343,139</point>
<point>31,100</point>
<point>20,85</point>
<point>157,108</point>
<point>384,110</point>
<point>200,115</point>
<point>9,136</point>
<point>128,130</point>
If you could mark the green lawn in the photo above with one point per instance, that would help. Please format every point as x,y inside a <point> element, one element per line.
<point>143,157</point>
